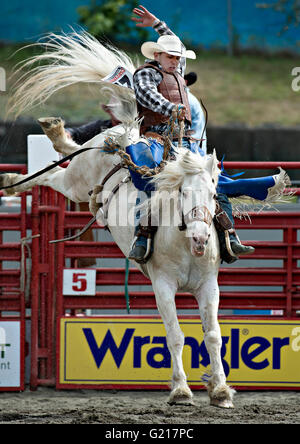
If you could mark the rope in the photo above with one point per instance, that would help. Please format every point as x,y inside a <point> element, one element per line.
<point>176,119</point>
<point>25,283</point>
<point>110,147</point>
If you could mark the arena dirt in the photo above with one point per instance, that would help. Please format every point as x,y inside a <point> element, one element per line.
<point>48,406</point>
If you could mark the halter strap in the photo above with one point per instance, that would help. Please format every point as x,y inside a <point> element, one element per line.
<point>199,213</point>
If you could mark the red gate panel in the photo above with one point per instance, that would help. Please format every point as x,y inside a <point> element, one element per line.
<point>14,286</point>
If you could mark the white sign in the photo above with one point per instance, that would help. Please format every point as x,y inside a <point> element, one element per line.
<point>40,152</point>
<point>79,282</point>
<point>10,357</point>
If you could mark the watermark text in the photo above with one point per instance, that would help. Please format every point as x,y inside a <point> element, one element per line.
<point>296,80</point>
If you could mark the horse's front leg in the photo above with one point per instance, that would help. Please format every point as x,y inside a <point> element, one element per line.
<point>165,300</point>
<point>54,128</point>
<point>220,393</point>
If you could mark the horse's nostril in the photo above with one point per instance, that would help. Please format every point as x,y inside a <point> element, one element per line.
<point>200,241</point>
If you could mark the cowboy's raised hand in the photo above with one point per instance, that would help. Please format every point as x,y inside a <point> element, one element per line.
<point>144,19</point>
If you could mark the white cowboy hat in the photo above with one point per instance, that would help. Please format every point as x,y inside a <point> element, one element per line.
<point>170,44</point>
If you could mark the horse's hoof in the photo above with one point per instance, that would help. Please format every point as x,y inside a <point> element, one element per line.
<point>220,395</point>
<point>181,401</point>
<point>224,404</point>
<point>48,122</point>
<point>182,396</point>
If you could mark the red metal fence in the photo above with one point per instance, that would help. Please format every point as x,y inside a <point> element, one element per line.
<point>53,218</point>
<point>14,294</point>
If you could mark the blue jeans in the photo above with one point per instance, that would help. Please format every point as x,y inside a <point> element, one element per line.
<point>141,240</point>
<point>225,205</point>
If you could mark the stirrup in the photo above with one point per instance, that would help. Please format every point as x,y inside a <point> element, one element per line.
<point>228,246</point>
<point>148,249</point>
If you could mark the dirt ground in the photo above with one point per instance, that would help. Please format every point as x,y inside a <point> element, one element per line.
<point>48,406</point>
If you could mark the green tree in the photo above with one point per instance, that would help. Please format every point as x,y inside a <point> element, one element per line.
<point>112,19</point>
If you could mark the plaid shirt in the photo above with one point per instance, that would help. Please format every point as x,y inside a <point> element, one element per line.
<point>147,80</point>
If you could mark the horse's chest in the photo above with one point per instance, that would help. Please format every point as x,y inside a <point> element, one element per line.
<point>173,257</point>
<point>191,278</point>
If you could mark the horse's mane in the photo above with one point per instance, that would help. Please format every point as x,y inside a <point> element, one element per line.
<point>172,176</point>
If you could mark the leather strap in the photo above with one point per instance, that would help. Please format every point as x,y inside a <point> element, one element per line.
<point>221,218</point>
<point>107,177</point>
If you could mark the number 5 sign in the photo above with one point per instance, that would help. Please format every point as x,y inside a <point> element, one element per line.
<point>80,282</point>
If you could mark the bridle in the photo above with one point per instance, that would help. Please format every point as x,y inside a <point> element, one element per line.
<point>198,213</point>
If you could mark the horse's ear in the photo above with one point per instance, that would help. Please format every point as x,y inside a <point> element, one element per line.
<point>212,163</point>
<point>215,155</point>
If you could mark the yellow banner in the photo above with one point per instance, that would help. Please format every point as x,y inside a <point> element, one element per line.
<point>133,351</point>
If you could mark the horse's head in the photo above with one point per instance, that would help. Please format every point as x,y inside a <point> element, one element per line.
<point>195,178</point>
<point>197,199</point>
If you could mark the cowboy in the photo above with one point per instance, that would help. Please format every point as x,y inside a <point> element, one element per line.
<point>199,119</point>
<point>160,91</point>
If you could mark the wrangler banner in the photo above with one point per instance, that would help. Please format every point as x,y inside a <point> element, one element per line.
<point>129,352</point>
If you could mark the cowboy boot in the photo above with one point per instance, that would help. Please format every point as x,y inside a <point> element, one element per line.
<point>230,244</point>
<point>236,246</point>
<point>139,247</point>
<point>142,247</point>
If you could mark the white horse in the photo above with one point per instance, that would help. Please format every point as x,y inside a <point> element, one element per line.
<point>182,260</point>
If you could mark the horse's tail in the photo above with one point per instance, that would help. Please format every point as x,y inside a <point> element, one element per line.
<point>68,59</point>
